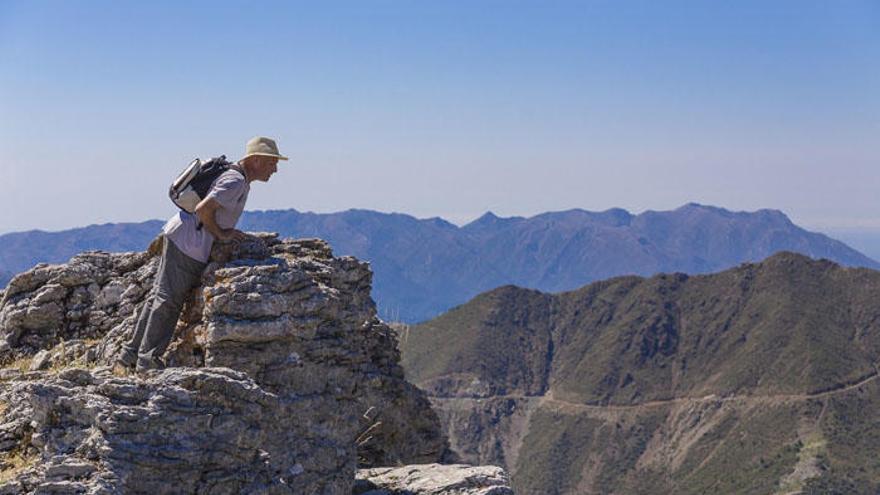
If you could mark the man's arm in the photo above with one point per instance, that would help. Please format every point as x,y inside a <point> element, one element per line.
<point>205,212</point>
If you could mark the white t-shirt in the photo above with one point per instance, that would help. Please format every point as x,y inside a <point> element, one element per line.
<point>231,190</point>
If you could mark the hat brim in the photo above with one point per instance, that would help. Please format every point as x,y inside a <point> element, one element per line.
<point>280,157</point>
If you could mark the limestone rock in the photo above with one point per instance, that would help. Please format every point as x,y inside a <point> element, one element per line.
<point>433,479</point>
<point>133,435</point>
<point>49,304</point>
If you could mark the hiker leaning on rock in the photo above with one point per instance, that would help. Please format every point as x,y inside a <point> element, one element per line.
<point>186,247</point>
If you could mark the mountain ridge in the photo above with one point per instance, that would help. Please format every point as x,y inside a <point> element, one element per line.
<point>426,266</point>
<point>758,379</point>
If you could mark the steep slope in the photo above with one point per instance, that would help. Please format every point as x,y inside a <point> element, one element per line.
<point>759,379</point>
<point>424,267</point>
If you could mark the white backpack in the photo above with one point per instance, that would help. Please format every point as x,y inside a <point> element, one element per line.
<point>193,184</point>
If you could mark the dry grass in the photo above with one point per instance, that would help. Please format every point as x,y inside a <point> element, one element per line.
<point>17,460</point>
<point>14,463</point>
<point>401,329</point>
<point>121,372</point>
<point>22,364</point>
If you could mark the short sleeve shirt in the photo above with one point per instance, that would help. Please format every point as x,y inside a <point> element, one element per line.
<point>231,190</point>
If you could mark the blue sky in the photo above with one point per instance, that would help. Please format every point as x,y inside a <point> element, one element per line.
<point>444,108</point>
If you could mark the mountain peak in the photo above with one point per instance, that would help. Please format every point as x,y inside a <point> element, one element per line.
<point>490,219</point>
<point>617,216</point>
<point>764,212</point>
<point>692,206</point>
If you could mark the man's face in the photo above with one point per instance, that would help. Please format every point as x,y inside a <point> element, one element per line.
<point>265,167</point>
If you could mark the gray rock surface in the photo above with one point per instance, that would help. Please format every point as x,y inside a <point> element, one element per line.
<point>100,433</point>
<point>433,479</point>
<point>284,379</point>
<point>83,299</point>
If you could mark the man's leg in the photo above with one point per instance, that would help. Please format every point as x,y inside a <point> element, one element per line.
<point>179,275</point>
<point>128,356</point>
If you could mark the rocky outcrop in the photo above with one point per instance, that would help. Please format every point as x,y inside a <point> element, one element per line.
<point>283,379</point>
<point>182,430</point>
<point>77,301</point>
<point>433,479</point>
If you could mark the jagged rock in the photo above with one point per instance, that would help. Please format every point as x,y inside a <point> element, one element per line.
<point>41,360</point>
<point>285,379</point>
<point>433,479</point>
<point>149,435</point>
<point>49,304</point>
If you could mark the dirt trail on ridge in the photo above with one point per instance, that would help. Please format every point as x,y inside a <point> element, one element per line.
<point>549,399</point>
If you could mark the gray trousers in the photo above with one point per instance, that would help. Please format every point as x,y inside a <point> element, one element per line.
<point>176,276</point>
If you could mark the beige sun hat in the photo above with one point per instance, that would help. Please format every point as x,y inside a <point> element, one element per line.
<point>262,146</point>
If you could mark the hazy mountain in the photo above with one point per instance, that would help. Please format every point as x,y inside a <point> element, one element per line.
<point>865,240</point>
<point>760,379</point>
<point>425,266</point>
<point>22,250</point>
<point>563,250</point>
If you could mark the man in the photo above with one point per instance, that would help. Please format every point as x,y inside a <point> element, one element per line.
<point>186,248</point>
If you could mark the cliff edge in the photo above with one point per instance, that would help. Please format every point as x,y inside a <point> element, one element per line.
<point>281,380</point>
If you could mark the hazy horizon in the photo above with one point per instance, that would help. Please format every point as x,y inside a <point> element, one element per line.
<point>460,221</point>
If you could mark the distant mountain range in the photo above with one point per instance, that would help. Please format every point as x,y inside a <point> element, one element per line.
<point>20,251</point>
<point>760,379</point>
<point>423,267</point>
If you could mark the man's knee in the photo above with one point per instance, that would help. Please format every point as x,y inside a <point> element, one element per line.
<point>167,303</point>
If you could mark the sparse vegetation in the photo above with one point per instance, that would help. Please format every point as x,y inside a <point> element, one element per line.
<point>21,364</point>
<point>13,462</point>
<point>810,451</point>
<point>401,329</point>
<point>59,363</point>
<point>768,344</point>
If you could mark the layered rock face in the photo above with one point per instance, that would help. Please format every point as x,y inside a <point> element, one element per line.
<point>459,479</point>
<point>283,379</point>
